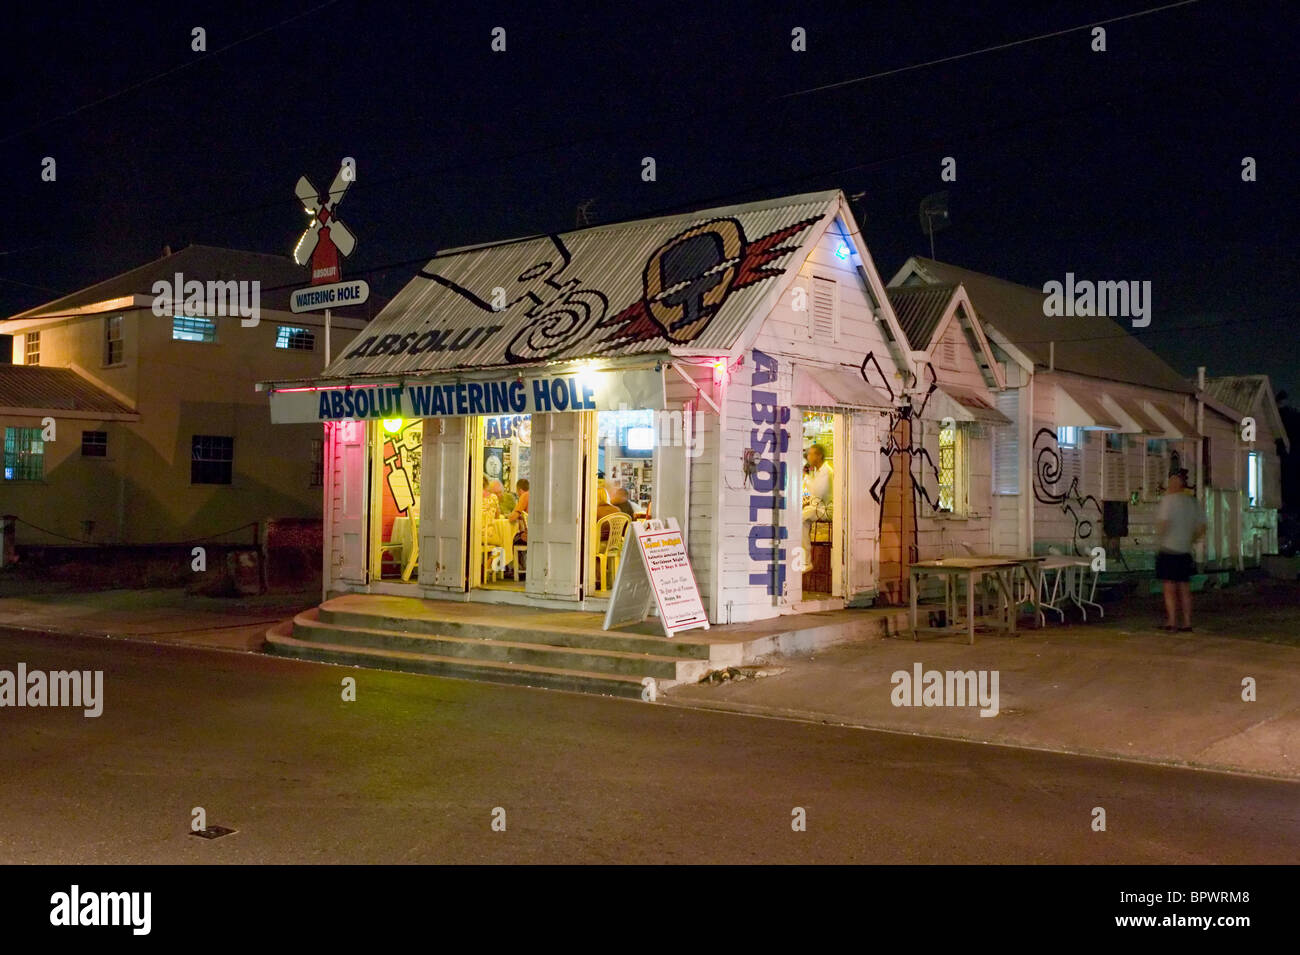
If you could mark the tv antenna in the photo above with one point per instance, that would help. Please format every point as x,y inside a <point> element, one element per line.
<point>934,215</point>
<point>583,217</point>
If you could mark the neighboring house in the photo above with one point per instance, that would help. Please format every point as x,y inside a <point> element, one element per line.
<point>122,426</point>
<point>692,359</point>
<point>1109,419</point>
<point>966,438</point>
<point>1242,478</point>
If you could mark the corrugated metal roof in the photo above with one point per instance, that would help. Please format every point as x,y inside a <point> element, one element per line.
<point>610,290</point>
<point>1238,392</point>
<point>57,389</point>
<point>1091,345</point>
<point>919,309</point>
<point>277,273</point>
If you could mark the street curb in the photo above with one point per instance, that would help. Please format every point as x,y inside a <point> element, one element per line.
<point>808,716</point>
<point>140,638</point>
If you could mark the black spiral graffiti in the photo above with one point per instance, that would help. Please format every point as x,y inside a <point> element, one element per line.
<point>1048,470</point>
<point>561,324</point>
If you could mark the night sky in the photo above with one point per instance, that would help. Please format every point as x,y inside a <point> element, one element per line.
<point>1117,165</point>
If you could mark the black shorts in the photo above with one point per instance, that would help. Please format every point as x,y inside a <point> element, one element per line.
<point>1174,567</point>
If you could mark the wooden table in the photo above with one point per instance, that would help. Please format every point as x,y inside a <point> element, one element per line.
<point>1003,570</point>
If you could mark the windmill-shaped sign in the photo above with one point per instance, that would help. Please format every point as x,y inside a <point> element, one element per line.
<point>325,240</point>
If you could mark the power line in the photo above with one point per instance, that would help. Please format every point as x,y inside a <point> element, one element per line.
<point>754,106</point>
<point>987,49</point>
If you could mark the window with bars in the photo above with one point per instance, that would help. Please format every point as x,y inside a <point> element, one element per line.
<point>952,490</point>
<point>317,462</point>
<point>191,328</point>
<point>113,349</point>
<point>212,459</point>
<point>297,339</point>
<point>24,454</point>
<point>1067,436</point>
<point>32,349</point>
<point>94,444</point>
<point>822,320</point>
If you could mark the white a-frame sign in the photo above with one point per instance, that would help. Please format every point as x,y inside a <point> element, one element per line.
<point>655,572</point>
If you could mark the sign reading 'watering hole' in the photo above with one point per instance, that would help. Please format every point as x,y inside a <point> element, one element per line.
<point>591,391</point>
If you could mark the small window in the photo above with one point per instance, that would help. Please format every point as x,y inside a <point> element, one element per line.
<point>24,454</point>
<point>821,317</point>
<point>113,353</point>
<point>188,328</point>
<point>32,350</point>
<point>211,459</point>
<point>298,339</point>
<point>1115,442</point>
<point>94,444</point>
<point>317,462</point>
<point>1254,480</point>
<point>1067,436</point>
<point>952,489</point>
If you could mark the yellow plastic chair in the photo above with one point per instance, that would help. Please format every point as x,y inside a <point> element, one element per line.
<point>610,550</point>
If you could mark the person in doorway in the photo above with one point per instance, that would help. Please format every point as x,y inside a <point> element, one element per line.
<point>491,512</point>
<point>520,511</point>
<point>817,484</point>
<point>505,500</point>
<point>520,516</point>
<point>1179,524</point>
<point>618,497</point>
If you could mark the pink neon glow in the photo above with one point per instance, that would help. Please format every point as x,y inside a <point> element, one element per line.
<point>387,384</point>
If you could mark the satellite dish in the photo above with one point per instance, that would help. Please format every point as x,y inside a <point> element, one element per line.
<point>934,215</point>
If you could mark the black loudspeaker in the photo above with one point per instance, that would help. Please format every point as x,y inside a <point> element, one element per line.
<point>1114,518</point>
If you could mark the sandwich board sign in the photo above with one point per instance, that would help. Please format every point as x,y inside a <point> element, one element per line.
<point>655,574</point>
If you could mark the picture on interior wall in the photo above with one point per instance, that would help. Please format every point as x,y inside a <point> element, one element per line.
<point>494,463</point>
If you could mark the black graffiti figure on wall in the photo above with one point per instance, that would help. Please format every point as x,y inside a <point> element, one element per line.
<point>1048,470</point>
<point>902,448</point>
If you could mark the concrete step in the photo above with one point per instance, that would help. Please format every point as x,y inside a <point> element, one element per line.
<point>309,628</point>
<point>282,642</point>
<point>503,629</point>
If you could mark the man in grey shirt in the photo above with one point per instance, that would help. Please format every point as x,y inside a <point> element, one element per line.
<point>1179,524</point>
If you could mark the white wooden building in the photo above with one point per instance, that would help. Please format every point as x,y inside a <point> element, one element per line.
<point>690,360</point>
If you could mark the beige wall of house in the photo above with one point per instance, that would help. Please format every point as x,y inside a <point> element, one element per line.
<point>141,491</point>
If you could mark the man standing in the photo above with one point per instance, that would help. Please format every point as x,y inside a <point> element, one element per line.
<point>817,483</point>
<point>1179,524</point>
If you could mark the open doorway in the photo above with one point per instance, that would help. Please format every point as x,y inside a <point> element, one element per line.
<point>822,508</point>
<point>501,456</point>
<point>621,475</point>
<point>396,450</point>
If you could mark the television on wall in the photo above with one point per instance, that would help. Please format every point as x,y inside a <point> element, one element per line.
<point>637,441</point>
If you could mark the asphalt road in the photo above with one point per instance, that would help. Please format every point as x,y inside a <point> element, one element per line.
<point>412,771</point>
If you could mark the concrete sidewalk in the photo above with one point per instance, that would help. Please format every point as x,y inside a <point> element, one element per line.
<point>1115,688</point>
<point>158,616</point>
<point>1097,689</point>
